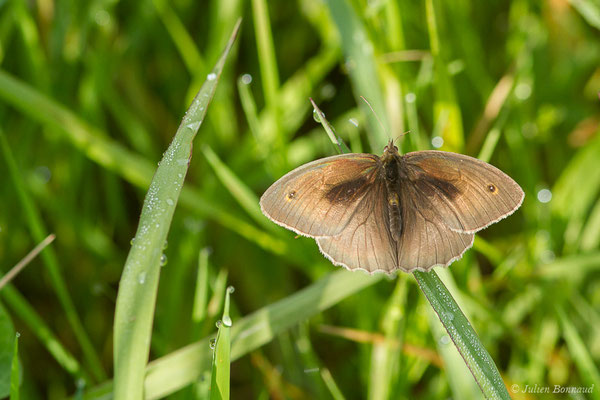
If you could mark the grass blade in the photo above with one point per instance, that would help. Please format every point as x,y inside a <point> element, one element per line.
<point>221,360</point>
<point>182,367</point>
<point>139,283</point>
<point>462,334</point>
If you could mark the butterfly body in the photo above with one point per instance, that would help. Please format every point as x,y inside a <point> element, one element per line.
<point>394,212</point>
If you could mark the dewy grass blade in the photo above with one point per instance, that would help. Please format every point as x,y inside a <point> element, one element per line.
<point>139,283</point>
<point>182,367</point>
<point>462,334</point>
<point>221,358</point>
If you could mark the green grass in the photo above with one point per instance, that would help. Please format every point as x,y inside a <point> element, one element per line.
<point>91,96</point>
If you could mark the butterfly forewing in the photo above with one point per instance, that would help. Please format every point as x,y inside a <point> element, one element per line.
<point>462,192</point>
<point>319,198</point>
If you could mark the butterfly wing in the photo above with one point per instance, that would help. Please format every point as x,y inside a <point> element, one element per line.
<point>464,193</point>
<point>366,242</point>
<point>319,198</point>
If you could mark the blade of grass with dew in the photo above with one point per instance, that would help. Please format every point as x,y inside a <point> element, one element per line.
<point>15,371</point>
<point>221,357</point>
<point>586,367</point>
<point>182,367</point>
<point>116,158</point>
<point>445,105</point>
<point>39,232</point>
<point>320,117</point>
<point>139,283</point>
<point>462,334</point>
<point>360,62</point>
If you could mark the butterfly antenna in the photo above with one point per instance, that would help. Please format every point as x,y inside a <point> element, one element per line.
<point>376,116</point>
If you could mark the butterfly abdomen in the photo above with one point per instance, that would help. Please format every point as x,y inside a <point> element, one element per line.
<point>391,170</point>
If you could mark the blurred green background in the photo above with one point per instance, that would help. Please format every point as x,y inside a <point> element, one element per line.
<point>91,94</point>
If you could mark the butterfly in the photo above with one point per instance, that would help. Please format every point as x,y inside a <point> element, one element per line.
<point>395,212</point>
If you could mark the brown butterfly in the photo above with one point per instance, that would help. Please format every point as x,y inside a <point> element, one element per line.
<point>409,212</point>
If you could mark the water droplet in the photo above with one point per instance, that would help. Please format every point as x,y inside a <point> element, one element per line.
<point>165,245</point>
<point>212,343</point>
<point>18,334</point>
<point>437,142</point>
<point>163,260</point>
<point>448,315</point>
<point>230,289</point>
<point>316,116</point>
<point>410,97</point>
<point>218,324</point>
<point>353,121</point>
<point>194,125</point>
<point>170,202</point>
<point>142,278</point>
<point>246,79</point>
<point>132,241</point>
<point>544,196</point>
<point>227,321</point>
<point>211,77</point>
<point>445,339</point>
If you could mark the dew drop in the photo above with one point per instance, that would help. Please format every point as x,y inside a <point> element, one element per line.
<point>437,142</point>
<point>448,315</point>
<point>246,79</point>
<point>316,116</point>
<point>194,125</point>
<point>132,241</point>
<point>218,324</point>
<point>227,321</point>
<point>163,260</point>
<point>445,339</point>
<point>18,334</point>
<point>212,343</point>
<point>410,97</point>
<point>170,202</point>
<point>142,278</point>
<point>165,245</point>
<point>230,289</point>
<point>211,77</point>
